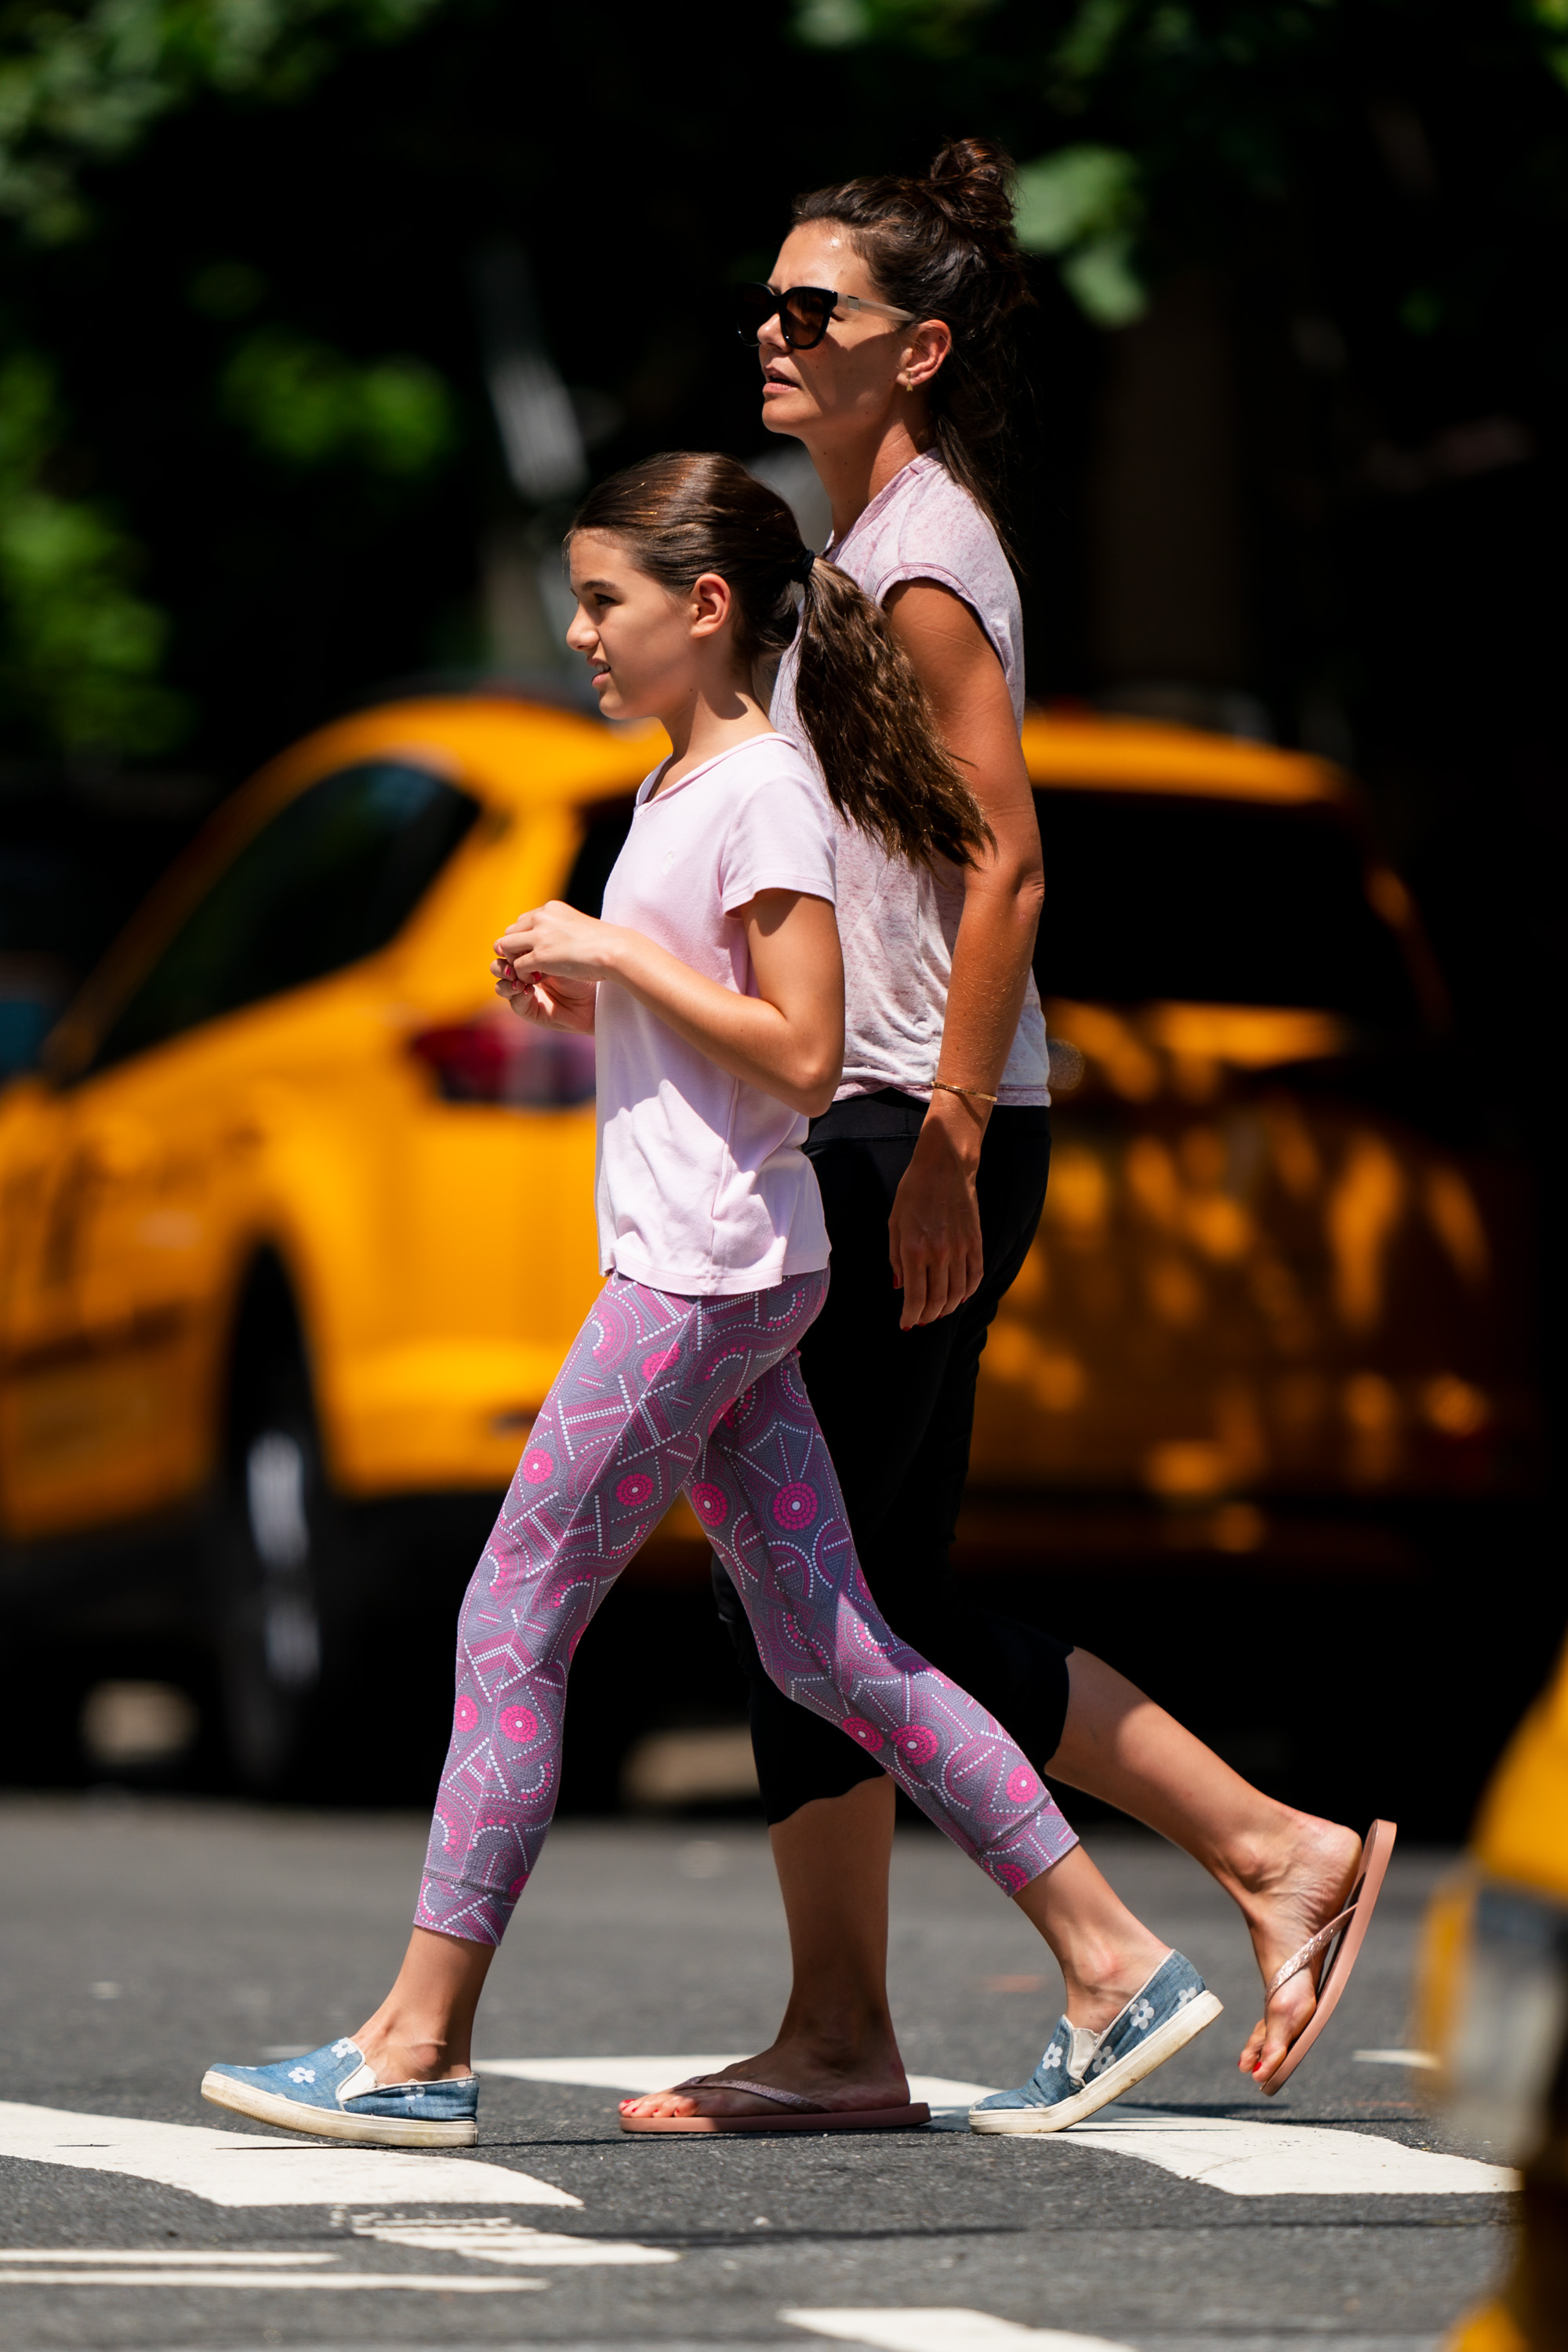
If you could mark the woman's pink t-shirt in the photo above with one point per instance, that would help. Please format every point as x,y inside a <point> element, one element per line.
<point>898,922</point>
<point>702,1187</point>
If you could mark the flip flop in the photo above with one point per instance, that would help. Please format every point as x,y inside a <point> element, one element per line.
<point>1346,1935</point>
<point>802,2116</point>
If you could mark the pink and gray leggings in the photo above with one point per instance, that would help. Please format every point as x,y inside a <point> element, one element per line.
<point>662,1394</point>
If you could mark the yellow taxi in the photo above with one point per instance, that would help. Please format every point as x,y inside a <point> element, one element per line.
<point>1493,2012</point>
<point>295,1222</point>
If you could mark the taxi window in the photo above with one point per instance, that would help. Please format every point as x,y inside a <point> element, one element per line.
<point>607,824</point>
<point>333,877</point>
<point>1152,896</point>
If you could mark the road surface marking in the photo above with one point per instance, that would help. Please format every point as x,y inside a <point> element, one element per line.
<point>1425,2058</point>
<point>257,2281</point>
<point>231,2167</point>
<point>945,2329</point>
<point>1277,2160</point>
<point>494,2240</point>
<point>160,2255</point>
<point>1246,2159</point>
<point>634,2075</point>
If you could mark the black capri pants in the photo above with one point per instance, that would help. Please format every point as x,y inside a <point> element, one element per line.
<point>897,1409</point>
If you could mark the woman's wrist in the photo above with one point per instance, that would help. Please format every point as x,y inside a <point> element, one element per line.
<point>960,1121</point>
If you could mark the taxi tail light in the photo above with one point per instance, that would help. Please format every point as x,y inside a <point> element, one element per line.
<point>529,1068</point>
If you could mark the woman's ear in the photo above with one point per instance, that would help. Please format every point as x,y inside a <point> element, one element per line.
<point>924,352</point>
<point>712,605</point>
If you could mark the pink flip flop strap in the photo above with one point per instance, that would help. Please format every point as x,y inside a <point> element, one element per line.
<point>1308,1953</point>
<point>757,2090</point>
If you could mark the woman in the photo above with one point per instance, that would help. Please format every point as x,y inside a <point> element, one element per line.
<point>885,338</point>
<point>713,988</point>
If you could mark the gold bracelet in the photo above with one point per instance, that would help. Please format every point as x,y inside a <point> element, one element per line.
<point>976,1094</point>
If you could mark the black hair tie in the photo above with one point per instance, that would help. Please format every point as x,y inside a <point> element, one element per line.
<point>801,568</point>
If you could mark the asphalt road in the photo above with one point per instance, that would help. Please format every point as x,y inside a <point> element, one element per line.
<point>143,1937</point>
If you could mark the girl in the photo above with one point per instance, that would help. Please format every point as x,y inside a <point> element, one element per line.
<point>885,337</point>
<point>714,990</point>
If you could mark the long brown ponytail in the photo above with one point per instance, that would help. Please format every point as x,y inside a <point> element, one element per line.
<point>863,709</point>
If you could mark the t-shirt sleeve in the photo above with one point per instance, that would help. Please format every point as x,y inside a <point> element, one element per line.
<point>780,837</point>
<point>949,542</point>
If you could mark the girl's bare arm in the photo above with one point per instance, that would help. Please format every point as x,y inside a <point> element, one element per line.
<point>788,1039</point>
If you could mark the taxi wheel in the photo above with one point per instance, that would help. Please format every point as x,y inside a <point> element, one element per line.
<point>276,1563</point>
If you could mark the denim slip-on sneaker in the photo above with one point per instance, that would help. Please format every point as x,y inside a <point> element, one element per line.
<point>1081,2070</point>
<point>334,2093</point>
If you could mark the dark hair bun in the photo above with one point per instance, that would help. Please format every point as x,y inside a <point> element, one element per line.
<point>972,181</point>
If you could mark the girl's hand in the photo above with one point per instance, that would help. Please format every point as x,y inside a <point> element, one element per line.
<point>554,1003</point>
<point>556,989</point>
<point>557,939</point>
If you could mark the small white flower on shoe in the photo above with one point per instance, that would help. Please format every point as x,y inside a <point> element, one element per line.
<point>1053,2056</point>
<point>302,2074</point>
<point>1143,2013</point>
<point>1187,1993</point>
<point>340,2049</point>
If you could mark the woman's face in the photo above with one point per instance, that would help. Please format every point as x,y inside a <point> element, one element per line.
<point>643,645</point>
<point>848,384</point>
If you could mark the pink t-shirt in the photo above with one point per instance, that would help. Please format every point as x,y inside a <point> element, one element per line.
<point>702,1187</point>
<point>898,922</point>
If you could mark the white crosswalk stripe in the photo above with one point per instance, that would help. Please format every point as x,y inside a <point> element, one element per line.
<point>494,2240</point>
<point>1263,2158</point>
<point>944,2329</point>
<point>244,2169</point>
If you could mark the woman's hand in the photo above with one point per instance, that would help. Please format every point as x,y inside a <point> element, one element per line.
<point>933,1233</point>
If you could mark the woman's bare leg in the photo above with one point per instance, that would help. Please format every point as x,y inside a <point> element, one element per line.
<point>1287,1872</point>
<point>836,2043</point>
<point>424,2030</point>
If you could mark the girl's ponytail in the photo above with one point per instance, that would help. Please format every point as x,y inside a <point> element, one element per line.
<point>867,718</point>
<point>863,709</point>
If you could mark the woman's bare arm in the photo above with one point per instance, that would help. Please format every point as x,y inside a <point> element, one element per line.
<point>788,1039</point>
<point>934,1231</point>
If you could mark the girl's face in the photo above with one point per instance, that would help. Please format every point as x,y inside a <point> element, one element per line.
<point>849,383</point>
<point>648,649</point>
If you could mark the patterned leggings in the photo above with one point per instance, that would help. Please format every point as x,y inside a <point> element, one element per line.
<point>660,1394</point>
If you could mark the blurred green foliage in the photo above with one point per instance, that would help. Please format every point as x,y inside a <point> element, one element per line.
<point>306,403</point>
<point>1082,203</point>
<point>87,82</point>
<point>81,651</point>
<point>233,270</point>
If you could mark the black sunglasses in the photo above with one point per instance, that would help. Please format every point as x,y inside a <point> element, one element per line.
<point>803,312</point>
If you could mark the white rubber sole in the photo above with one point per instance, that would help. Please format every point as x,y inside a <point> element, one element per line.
<point>328,2122</point>
<point>1165,2043</point>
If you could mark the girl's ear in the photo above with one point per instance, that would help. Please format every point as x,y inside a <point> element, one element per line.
<point>712,605</point>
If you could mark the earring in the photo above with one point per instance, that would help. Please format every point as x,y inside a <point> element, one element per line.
<point>905,382</point>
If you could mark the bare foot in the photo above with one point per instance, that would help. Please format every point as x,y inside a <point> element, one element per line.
<point>866,2080</point>
<point>1298,1890</point>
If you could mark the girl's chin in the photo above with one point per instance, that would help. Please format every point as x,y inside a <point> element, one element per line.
<point>615,706</point>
